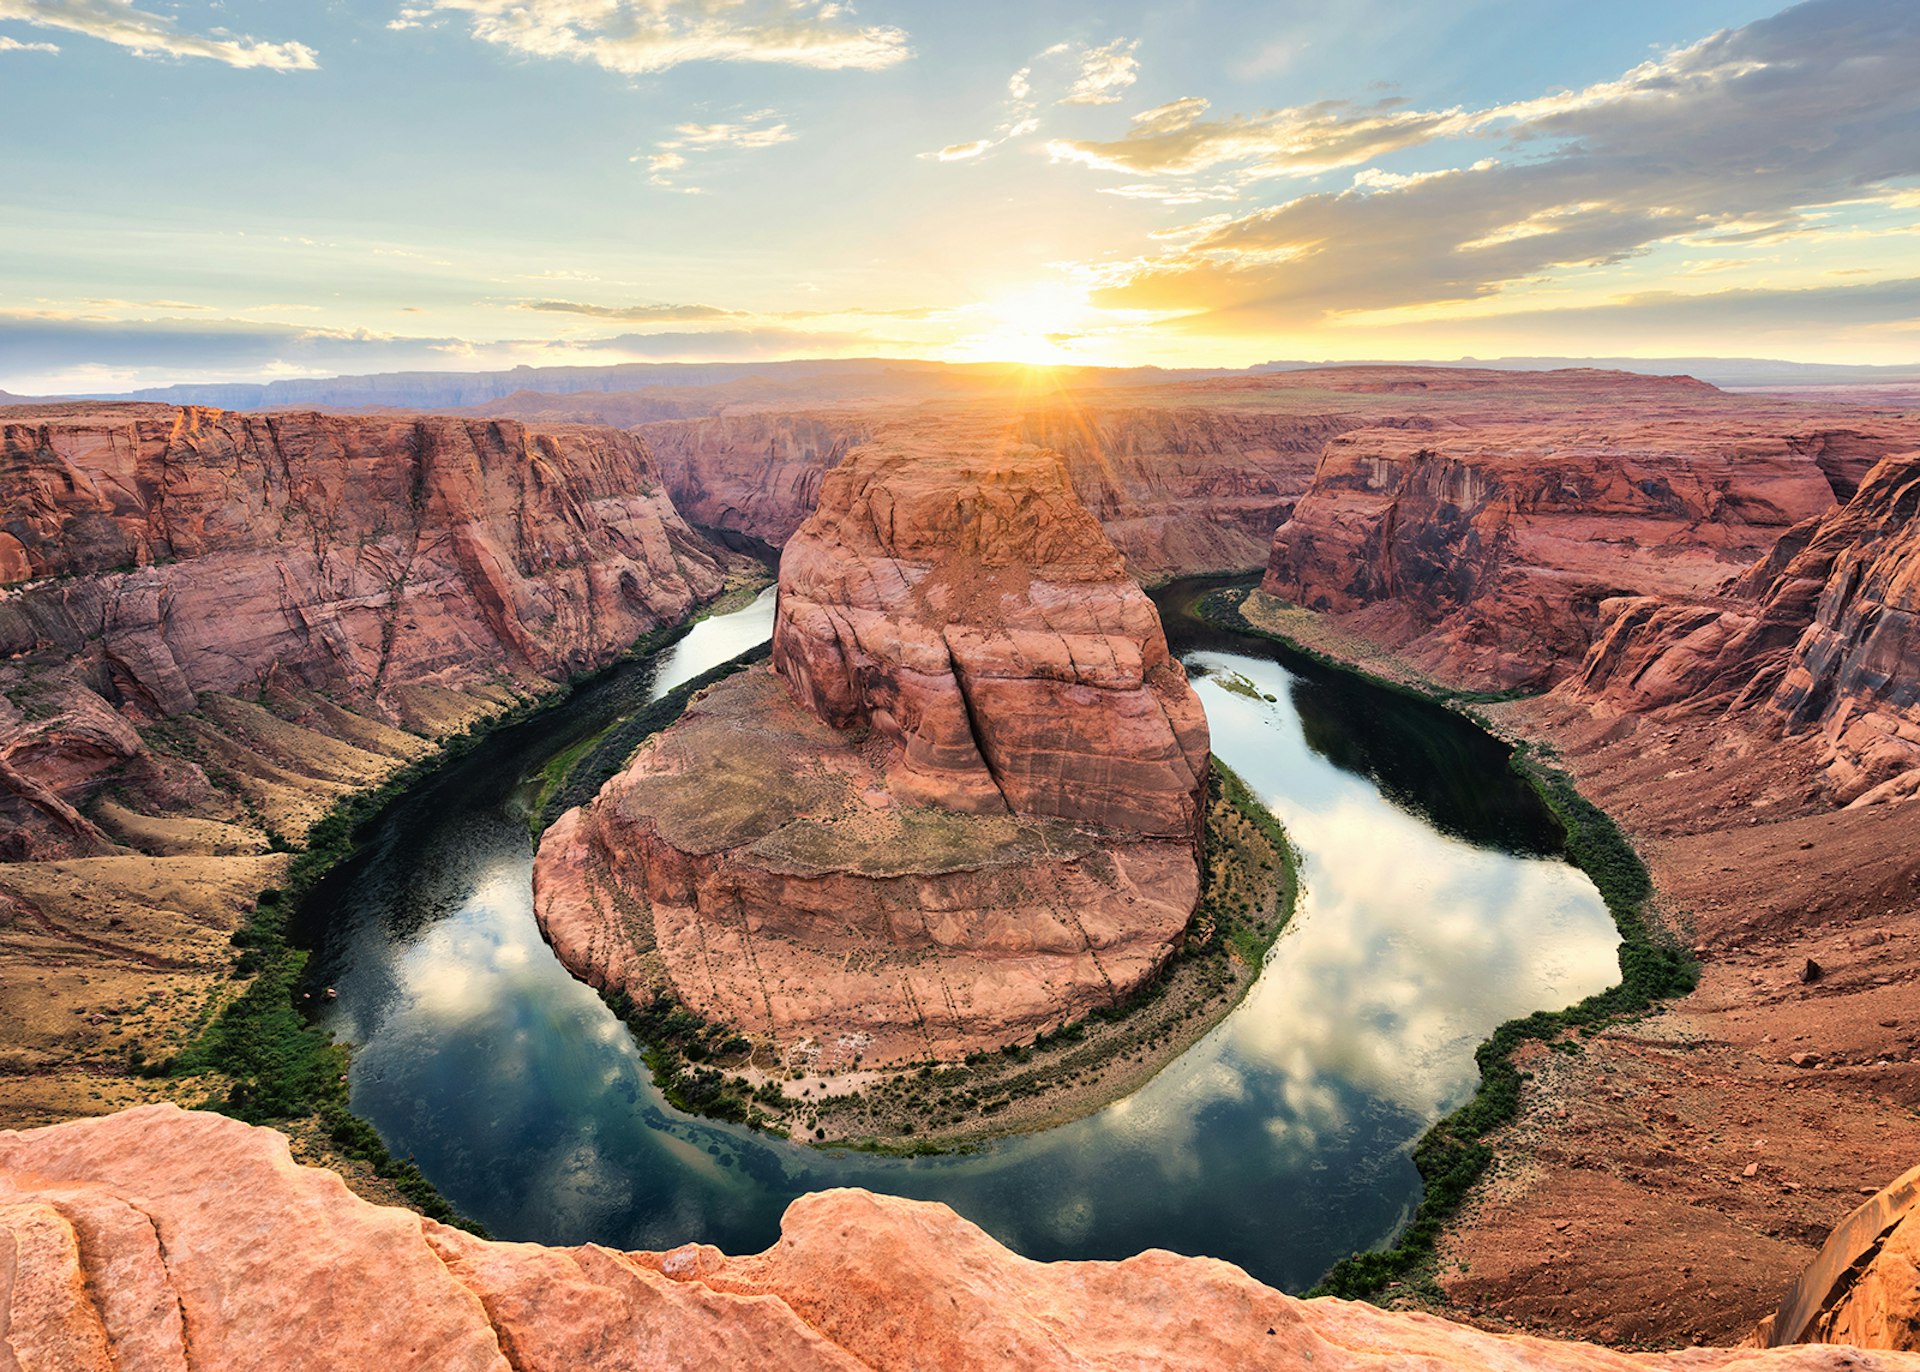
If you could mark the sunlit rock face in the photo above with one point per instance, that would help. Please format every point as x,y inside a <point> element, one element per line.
<point>160,553</point>
<point>1822,635</point>
<point>963,807</point>
<point>164,1239</point>
<point>1485,552</point>
<point>1179,490</point>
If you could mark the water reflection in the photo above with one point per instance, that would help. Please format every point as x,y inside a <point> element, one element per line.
<point>1279,1142</point>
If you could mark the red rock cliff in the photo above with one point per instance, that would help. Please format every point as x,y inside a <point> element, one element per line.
<point>1485,552</point>
<point>159,554</point>
<point>1820,636</point>
<point>1179,490</point>
<point>970,610</point>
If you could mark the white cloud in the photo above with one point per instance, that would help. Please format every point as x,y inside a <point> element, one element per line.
<point>1104,73</point>
<point>641,37</point>
<point>669,156</point>
<point>1745,136</point>
<point>15,45</point>
<point>153,35</point>
<point>1092,76</point>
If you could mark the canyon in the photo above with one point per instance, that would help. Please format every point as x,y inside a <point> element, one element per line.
<point>962,806</point>
<point>214,625</point>
<point>219,625</point>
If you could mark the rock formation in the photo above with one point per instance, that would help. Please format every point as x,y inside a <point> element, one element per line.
<point>756,475</point>
<point>162,1239</point>
<point>1179,489</point>
<point>1484,552</point>
<point>965,809</point>
<point>156,555</point>
<point>1821,635</point>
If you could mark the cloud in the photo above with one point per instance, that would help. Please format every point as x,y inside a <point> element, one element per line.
<point>669,155</point>
<point>643,37</point>
<point>1096,75</point>
<point>1742,133</point>
<point>1174,140</point>
<point>15,45</point>
<point>635,314</point>
<point>1104,73</point>
<point>151,35</point>
<point>960,152</point>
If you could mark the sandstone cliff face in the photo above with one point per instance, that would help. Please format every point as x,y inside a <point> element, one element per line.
<point>158,555</point>
<point>1821,635</point>
<point>1179,490</point>
<point>160,1239</point>
<point>971,611</point>
<point>752,474</point>
<point>964,810</point>
<point>1485,552</point>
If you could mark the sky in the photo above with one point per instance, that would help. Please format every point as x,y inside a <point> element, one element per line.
<point>237,189</point>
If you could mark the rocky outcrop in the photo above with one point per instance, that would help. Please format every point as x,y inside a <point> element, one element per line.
<point>1485,553</point>
<point>970,610</point>
<point>1179,490</point>
<point>964,810</point>
<point>1822,635</point>
<point>157,555</point>
<point>1864,1287</point>
<point>162,1239</point>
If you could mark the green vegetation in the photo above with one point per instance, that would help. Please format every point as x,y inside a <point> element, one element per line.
<point>1454,1154</point>
<point>575,776</point>
<point>282,1068</point>
<point>1221,608</point>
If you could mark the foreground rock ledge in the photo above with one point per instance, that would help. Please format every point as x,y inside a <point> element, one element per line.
<point>162,1238</point>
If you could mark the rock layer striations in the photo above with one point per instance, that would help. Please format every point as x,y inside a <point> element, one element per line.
<point>158,555</point>
<point>962,807</point>
<point>1820,637</point>
<point>1484,552</point>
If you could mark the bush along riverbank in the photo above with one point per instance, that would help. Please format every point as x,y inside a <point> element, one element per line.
<point>1455,1153</point>
<point>1249,892</point>
<point>279,1068</point>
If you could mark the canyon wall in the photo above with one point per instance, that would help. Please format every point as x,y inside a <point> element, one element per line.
<point>162,1239</point>
<point>156,556</point>
<point>1821,636</point>
<point>1180,490</point>
<point>1484,552</point>
<point>961,808</point>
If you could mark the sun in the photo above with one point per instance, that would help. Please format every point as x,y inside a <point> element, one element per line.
<point>1035,324</point>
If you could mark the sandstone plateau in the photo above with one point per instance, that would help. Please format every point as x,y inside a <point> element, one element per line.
<point>162,1239</point>
<point>963,806</point>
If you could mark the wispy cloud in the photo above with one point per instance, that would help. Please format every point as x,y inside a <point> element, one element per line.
<point>150,35</point>
<point>669,155</point>
<point>635,314</point>
<point>1072,75</point>
<point>15,45</point>
<point>1104,73</point>
<point>1744,132</point>
<point>640,37</point>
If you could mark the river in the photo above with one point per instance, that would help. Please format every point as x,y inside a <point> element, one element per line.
<point>1436,905</point>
